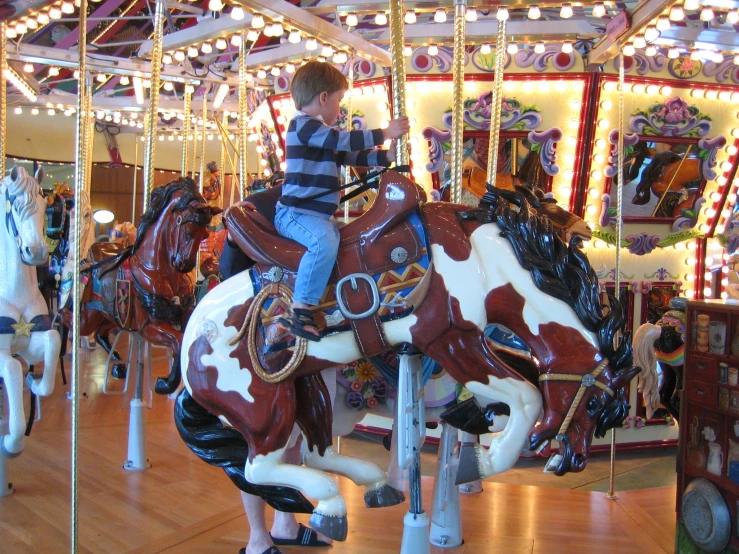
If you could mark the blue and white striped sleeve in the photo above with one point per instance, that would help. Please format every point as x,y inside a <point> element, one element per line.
<point>372,157</point>
<point>312,132</point>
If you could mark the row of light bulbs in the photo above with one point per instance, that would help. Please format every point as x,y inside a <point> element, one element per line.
<point>35,21</point>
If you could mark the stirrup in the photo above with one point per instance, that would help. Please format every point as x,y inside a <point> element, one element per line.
<point>297,320</point>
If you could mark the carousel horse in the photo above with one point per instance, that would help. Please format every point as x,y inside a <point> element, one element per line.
<point>123,233</point>
<point>24,316</point>
<point>663,343</point>
<point>668,175</point>
<point>484,266</point>
<point>146,287</point>
<point>633,161</point>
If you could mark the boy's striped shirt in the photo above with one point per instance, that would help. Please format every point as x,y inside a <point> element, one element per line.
<point>315,153</point>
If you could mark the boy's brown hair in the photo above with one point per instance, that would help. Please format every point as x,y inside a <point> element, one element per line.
<point>314,78</point>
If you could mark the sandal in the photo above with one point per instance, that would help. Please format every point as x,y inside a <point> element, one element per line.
<point>305,537</point>
<point>299,321</point>
<point>270,550</point>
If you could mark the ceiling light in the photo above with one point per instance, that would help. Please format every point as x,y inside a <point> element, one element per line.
<point>294,37</point>
<point>76,74</point>
<point>267,31</point>
<point>51,111</point>
<point>189,89</point>
<point>252,35</point>
<point>485,49</point>
<point>19,110</point>
<point>53,71</point>
<point>11,32</point>
<point>567,47</point>
<point>651,33</point>
<point>717,57</point>
<point>327,51</point>
<point>534,12</point>
<point>407,51</point>
<point>691,4</point>
<point>257,22</point>
<point>380,18</point>
<point>31,23</point>
<point>628,49</point>
<point>677,13</point>
<point>663,23</point>
<point>732,17</point>
<point>236,40</point>
<point>290,68</point>
<point>639,42</point>
<point>237,13</point>
<point>673,53</point>
<point>221,44</point>
<point>311,44</point>
<point>706,14</point>
<point>101,78</point>
<point>167,59</point>
<point>206,48</point>
<point>599,9</point>
<point>68,8</point>
<point>125,81</point>
<point>146,83</point>
<point>410,17</point>
<point>433,50</point>
<point>502,13</point>
<point>566,11</point>
<point>440,15</point>
<point>539,48</point>
<point>471,15</point>
<point>340,57</point>
<point>192,52</point>
<point>42,18</point>
<point>352,20</point>
<point>55,13</point>
<point>20,28</point>
<point>28,68</point>
<point>512,48</point>
<point>275,71</point>
<point>261,74</point>
<point>215,5</point>
<point>168,86</point>
<point>277,30</point>
<point>34,111</point>
<point>696,55</point>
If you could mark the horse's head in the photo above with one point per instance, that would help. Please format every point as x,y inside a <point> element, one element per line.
<point>56,209</point>
<point>25,211</point>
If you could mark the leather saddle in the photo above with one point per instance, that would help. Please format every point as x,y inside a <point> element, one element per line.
<point>380,240</point>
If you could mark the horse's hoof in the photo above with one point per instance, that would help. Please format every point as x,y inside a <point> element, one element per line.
<point>163,386</point>
<point>119,371</point>
<point>383,497</point>
<point>469,469</point>
<point>474,487</point>
<point>7,453</point>
<point>331,526</point>
<point>468,416</point>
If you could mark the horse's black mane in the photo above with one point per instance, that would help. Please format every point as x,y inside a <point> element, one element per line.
<point>563,272</point>
<point>160,199</point>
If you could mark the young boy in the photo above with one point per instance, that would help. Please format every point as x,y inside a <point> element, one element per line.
<point>315,150</point>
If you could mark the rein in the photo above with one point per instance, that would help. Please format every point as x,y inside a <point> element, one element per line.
<point>9,219</point>
<point>586,381</point>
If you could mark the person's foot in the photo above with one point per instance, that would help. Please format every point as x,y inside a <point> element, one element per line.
<point>270,550</point>
<point>301,535</point>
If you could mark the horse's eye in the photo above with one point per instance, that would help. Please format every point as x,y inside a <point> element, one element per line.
<point>593,405</point>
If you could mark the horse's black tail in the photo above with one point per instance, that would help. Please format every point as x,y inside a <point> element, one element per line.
<point>225,447</point>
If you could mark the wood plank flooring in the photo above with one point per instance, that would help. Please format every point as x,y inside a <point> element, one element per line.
<point>181,505</point>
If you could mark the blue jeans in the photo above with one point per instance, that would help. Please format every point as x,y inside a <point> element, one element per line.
<point>321,238</point>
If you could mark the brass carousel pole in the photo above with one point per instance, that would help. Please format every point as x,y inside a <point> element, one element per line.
<point>611,495</point>
<point>3,94</point>
<point>460,8</point>
<point>152,114</point>
<point>350,84</point>
<point>222,162</point>
<point>186,131</point>
<point>79,185</point>
<point>135,176</point>
<point>397,70</point>
<point>203,163</point>
<point>243,121</point>
<point>496,100</point>
<point>90,139</point>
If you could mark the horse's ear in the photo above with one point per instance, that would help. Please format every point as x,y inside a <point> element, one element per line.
<point>14,173</point>
<point>40,174</point>
<point>624,377</point>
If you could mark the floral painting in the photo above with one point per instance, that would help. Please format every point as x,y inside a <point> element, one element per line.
<point>672,118</point>
<point>684,67</point>
<point>368,388</point>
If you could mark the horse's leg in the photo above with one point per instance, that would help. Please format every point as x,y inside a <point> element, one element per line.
<point>164,334</point>
<point>43,346</point>
<point>466,355</point>
<point>102,337</point>
<point>11,372</point>
<point>314,416</point>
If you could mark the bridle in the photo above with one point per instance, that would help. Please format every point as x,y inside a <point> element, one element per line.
<point>10,223</point>
<point>586,381</point>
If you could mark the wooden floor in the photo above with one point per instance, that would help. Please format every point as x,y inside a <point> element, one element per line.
<point>182,505</point>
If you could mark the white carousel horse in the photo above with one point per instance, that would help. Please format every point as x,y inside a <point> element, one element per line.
<point>88,238</point>
<point>24,315</point>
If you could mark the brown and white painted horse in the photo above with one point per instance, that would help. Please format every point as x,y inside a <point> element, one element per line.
<point>487,266</point>
<point>146,287</point>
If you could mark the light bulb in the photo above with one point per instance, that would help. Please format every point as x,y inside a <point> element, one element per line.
<point>736,59</point>
<point>168,86</point>
<point>706,14</point>
<point>294,37</point>
<point>311,44</point>
<point>650,50</point>
<point>179,55</point>
<point>677,13</point>
<point>42,18</point>
<point>125,81</point>
<point>68,8</point>
<point>663,23</point>
<point>599,9</point>
<point>691,4</point>
<point>629,49</point>
<point>215,5</point>
<point>31,23</point>
<point>539,48</point>
<point>650,34</point>
<point>167,59</point>
<point>732,17</point>
<point>19,110</point>
<point>237,13</point>
<point>566,47</point>
<point>502,13</point>
<point>101,78</point>
<point>206,48</point>
<point>380,18</point>
<point>512,48</point>
<point>290,68</point>
<point>673,53</point>
<point>51,111</point>
<point>28,68</point>
<point>534,12</point>
<point>236,40</point>
<point>257,22</point>
<point>220,44</point>
<point>433,50</point>
<point>275,71</point>
<point>55,13</point>
<point>410,17</point>
<point>352,20</point>
<point>440,15</point>
<point>327,51</point>
<point>566,11</point>
<point>20,28</point>
<point>485,49</point>
<point>471,15</point>
<point>407,51</point>
<point>192,52</point>
<point>34,111</point>
<point>252,35</point>
<point>261,74</point>
<point>11,32</point>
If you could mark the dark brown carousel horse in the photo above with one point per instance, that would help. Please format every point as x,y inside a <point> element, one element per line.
<point>475,267</point>
<point>666,175</point>
<point>146,287</point>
